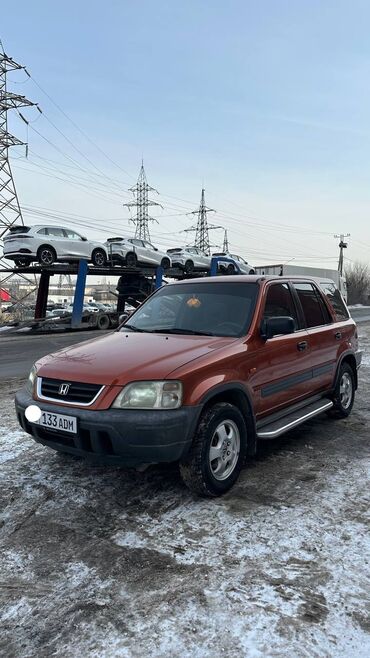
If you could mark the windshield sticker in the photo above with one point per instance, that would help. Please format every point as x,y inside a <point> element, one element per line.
<point>194,302</point>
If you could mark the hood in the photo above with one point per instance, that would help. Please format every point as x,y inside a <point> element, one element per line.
<point>123,357</point>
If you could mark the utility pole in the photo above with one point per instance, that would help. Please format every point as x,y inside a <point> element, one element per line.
<point>142,202</point>
<point>225,247</point>
<point>10,211</point>
<point>342,245</point>
<point>202,228</point>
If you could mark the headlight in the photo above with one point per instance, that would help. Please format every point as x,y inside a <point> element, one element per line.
<point>31,379</point>
<point>150,395</point>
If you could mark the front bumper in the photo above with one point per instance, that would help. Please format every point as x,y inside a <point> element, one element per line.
<point>126,437</point>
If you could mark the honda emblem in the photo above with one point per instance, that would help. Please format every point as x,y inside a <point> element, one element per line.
<point>63,389</point>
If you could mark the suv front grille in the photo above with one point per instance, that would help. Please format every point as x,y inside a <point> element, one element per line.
<point>78,392</point>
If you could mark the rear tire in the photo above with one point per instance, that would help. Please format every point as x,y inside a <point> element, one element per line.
<point>189,266</point>
<point>344,394</point>
<point>46,255</point>
<point>131,260</point>
<point>103,322</point>
<point>230,269</point>
<point>99,258</point>
<point>165,263</point>
<point>218,451</point>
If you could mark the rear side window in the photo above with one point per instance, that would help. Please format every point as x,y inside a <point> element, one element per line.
<point>43,231</point>
<point>335,299</point>
<point>279,302</point>
<point>314,310</point>
<point>56,232</point>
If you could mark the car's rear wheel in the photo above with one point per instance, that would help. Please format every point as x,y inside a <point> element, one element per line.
<point>189,266</point>
<point>344,394</point>
<point>131,260</point>
<point>22,262</point>
<point>230,269</point>
<point>103,322</point>
<point>46,255</point>
<point>217,453</point>
<point>99,258</point>
<point>165,263</point>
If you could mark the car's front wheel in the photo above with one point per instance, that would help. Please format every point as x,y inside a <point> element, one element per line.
<point>344,394</point>
<point>189,266</point>
<point>165,263</point>
<point>131,260</point>
<point>217,453</point>
<point>99,258</point>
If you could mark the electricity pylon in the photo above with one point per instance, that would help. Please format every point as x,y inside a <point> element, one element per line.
<point>225,246</point>
<point>142,202</point>
<point>202,228</point>
<point>10,211</point>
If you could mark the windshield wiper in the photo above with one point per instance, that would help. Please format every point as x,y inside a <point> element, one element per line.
<point>132,327</point>
<point>177,330</point>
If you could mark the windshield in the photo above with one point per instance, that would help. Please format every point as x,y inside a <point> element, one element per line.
<point>211,309</point>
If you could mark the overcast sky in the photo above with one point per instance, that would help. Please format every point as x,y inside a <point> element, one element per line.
<point>266,104</point>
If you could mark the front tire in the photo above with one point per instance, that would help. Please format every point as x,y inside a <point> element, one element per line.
<point>99,258</point>
<point>218,451</point>
<point>131,260</point>
<point>165,263</point>
<point>344,394</point>
<point>189,266</point>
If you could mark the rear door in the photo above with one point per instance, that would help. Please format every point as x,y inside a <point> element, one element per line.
<point>57,239</point>
<point>281,365</point>
<point>324,337</point>
<point>151,254</point>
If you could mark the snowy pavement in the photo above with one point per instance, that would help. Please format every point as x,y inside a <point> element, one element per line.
<point>97,562</point>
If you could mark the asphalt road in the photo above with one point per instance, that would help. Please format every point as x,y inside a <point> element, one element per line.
<point>19,352</point>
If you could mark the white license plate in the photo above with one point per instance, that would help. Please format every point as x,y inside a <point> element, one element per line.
<point>58,422</point>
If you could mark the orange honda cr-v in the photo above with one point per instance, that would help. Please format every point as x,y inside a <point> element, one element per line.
<point>198,374</point>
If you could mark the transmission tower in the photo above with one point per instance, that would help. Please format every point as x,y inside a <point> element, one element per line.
<point>225,247</point>
<point>141,203</point>
<point>342,245</point>
<point>10,211</point>
<point>202,228</point>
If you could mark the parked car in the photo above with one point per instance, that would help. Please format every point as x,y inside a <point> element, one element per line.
<point>48,244</point>
<point>198,374</point>
<point>226,266</point>
<point>132,252</point>
<point>190,259</point>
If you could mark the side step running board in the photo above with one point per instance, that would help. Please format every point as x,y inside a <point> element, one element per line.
<point>273,430</point>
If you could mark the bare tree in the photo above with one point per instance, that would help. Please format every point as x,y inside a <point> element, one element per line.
<point>358,283</point>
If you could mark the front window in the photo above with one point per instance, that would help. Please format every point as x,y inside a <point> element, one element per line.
<point>279,303</point>
<point>211,309</point>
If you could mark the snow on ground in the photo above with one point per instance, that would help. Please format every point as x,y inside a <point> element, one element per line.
<point>109,563</point>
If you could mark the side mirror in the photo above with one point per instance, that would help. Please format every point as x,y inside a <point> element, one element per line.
<point>123,317</point>
<point>155,248</point>
<point>84,239</point>
<point>278,326</point>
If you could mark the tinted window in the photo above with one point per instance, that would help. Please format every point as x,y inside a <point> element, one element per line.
<point>335,299</point>
<point>222,309</point>
<point>279,302</point>
<point>56,232</point>
<point>43,231</point>
<point>314,309</point>
<point>137,243</point>
<point>147,245</point>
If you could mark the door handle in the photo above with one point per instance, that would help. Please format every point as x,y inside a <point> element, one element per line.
<point>338,335</point>
<point>302,345</point>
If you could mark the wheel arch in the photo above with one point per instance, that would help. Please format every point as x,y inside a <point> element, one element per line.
<point>45,245</point>
<point>347,357</point>
<point>238,395</point>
